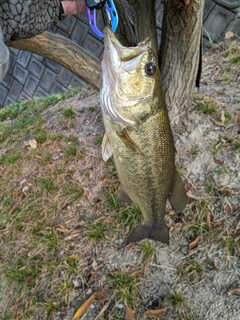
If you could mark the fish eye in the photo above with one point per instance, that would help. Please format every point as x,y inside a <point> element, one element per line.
<point>150,68</point>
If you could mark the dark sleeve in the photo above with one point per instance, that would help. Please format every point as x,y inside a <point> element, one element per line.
<point>22,19</point>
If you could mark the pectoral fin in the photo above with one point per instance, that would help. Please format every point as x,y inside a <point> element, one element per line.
<point>178,198</point>
<point>124,197</point>
<point>106,148</point>
<point>126,139</point>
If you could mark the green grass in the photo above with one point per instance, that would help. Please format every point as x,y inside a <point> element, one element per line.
<point>96,231</point>
<point>191,269</point>
<point>68,113</point>
<point>208,107</point>
<point>236,144</point>
<point>125,287</point>
<point>147,249</point>
<point>10,158</point>
<point>98,141</point>
<point>235,59</point>
<point>231,243</point>
<point>176,300</point>
<point>70,151</point>
<point>37,193</point>
<point>194,153</point>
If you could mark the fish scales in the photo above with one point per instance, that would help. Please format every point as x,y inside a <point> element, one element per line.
<point>146,178</point>
<point>138,134</point>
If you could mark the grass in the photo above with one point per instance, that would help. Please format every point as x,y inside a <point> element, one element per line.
<point>125,287</point>
<point>176,300</point>
<point>68,112</point>
<point>231,244</point>
<point>191,269</point>
<point>131,216</point>
<point>209,107</point>
<point>36,195</point>
<point>235,59</point>
<point>236,144</point>
<point>96,231</point>
<point>59,221</point>
<point>147,249</point>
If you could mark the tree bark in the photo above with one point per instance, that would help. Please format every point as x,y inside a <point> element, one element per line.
<point>136,22</point>
<point>180,55</point>
<point>64,52</point>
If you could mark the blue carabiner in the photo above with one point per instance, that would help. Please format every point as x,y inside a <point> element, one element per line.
<point>92,6</point>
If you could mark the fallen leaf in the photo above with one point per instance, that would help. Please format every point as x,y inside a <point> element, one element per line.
<point>217,161</point>
<point>175,226</point>
<point>64,311</point>
<point>157,314</point>
<point>29,140</point>
<point>234,290</point>
<point>227,207</point>
<point>223,117</point>
<point>136,273</point>
<point>194,243</point>
<point>129,314</point>
<point>61,229</point>
<point>218,224</point>
<point>85,306</point>
<point>210,219</point>
<point>227,193</point>
<point>229,35</point>
<point>75,231</point>
<point>237,117</point>
<point>72,236</point>
<point>33,143</point>
<point>99,295</point>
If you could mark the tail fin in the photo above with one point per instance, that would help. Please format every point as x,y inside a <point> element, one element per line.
<point>139,233</point>
<point>157,231</point>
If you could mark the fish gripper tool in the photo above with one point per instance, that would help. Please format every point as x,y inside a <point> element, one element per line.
<point>92,6</point>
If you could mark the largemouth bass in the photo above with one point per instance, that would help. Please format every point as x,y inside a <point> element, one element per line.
<point>138,135</point>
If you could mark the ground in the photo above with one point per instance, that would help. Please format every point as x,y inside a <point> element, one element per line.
<point>63,234</point>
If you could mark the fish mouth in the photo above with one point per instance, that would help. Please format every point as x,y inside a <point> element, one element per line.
<point>117,53</point>
<point>112,49</point>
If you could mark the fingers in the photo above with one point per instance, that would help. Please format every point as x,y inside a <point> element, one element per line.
<point>71,7</point>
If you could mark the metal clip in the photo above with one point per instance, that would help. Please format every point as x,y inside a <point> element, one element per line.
<point>92,7</point>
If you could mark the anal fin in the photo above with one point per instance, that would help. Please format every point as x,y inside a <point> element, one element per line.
<point>178,198</point>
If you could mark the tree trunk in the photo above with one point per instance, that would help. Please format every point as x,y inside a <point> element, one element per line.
<point>64,52</point>
<point>136,22</point>
<point>180,55</point>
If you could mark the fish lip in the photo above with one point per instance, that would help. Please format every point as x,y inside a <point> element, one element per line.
<point>114,50</point>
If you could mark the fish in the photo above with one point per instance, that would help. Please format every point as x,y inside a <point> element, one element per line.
<point>138,135</point>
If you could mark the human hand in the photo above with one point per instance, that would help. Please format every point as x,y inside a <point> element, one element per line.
<point>71,7</point>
